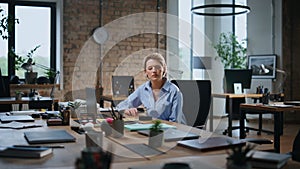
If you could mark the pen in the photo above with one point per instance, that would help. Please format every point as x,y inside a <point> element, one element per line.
<point>46,146</point>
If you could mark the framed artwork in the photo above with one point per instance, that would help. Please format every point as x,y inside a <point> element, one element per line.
<point>263,66</point>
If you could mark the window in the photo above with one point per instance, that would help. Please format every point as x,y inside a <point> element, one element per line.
<point>36,27</point>
<point>3,45</point>
<point>202,32</point>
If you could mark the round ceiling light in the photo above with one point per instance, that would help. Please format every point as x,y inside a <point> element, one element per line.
<point>220,9</point>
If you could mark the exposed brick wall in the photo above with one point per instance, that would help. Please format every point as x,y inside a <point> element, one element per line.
<point>80,18</point>
<point>124,58</point>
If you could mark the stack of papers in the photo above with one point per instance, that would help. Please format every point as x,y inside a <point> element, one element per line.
<point>19,125</point>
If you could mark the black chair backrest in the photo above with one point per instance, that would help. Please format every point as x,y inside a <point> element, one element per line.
<point>196,100</point>
<point>40,104</point>
<point>4,92</point>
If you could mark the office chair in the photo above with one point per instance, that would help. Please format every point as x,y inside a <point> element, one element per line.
<point>196,100</point>
<point>296,148</point>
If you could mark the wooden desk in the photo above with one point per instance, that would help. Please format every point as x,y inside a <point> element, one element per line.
<point>32,86</point>
<point>266,109</point>
<point>122,157</point>
<point>24,100</point>
<point>229,99</point>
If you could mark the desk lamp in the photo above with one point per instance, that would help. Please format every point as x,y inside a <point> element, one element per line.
<point>266,69</point>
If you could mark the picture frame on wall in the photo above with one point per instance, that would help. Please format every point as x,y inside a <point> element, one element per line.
<point>263,66</point>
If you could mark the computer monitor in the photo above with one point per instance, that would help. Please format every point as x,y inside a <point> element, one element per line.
<point>121,84</point>
<point>243,76</point>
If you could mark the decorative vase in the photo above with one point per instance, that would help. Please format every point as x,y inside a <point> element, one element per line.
<point>156,139</point>
<point>118,128</point>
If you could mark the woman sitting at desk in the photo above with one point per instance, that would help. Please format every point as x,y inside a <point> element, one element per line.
<point>161,98</point>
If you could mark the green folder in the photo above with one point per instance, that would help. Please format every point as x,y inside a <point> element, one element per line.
<point>137,126</point>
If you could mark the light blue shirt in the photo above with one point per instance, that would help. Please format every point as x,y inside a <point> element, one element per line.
<point>167,107</point>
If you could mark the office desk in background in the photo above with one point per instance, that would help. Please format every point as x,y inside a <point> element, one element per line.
<point>229,98</point>
<point>26,100</point>
<point>278,113</point>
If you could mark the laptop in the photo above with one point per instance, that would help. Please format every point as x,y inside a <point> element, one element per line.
<point>173,134</point>
<point>211,143</point>
<point>48,136</point>
<point>17,118</point>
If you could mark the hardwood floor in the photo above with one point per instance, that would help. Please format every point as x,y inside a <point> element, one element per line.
<point>289,133</point>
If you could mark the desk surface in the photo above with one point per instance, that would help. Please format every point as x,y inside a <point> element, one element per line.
<point>231,95</point>
<point>24,100</point>
<point>277,107</point>
<point>123,158</point>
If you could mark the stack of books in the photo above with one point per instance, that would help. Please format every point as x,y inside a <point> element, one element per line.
<point>262,159</point>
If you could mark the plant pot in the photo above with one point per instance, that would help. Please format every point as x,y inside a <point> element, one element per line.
<point>118,128</point>
<point>231,165</point>
<point>51,79</point>
<point>30,77</point>
<point>106,128</point>
<point>19,96</point>
<point>156,139</point>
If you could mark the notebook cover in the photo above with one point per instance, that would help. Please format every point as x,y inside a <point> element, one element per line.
<point>51,136</point>
<point>173,134</point>
<point>211,143</point>
<point>18,118</point>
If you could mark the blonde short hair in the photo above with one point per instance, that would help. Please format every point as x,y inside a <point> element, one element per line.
<point>155,56</point>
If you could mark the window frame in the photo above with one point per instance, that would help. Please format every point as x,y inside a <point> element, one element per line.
<point>53,31</point>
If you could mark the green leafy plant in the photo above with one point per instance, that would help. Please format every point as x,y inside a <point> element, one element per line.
<point>50,73</point>
<point>239,155</point>
<point>6,24</point>
<point>20,60</point>
<point>231,52</point>
<point>74,105</point>
<point>157,126</point>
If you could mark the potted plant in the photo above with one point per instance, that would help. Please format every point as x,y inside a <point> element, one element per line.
<point>74,105</point>
<point>230,51</point>
<point>239,157</point>
<point>19,95</point>
<point>50,75</point>
<point>21,62</point>
<point>156,136</point>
